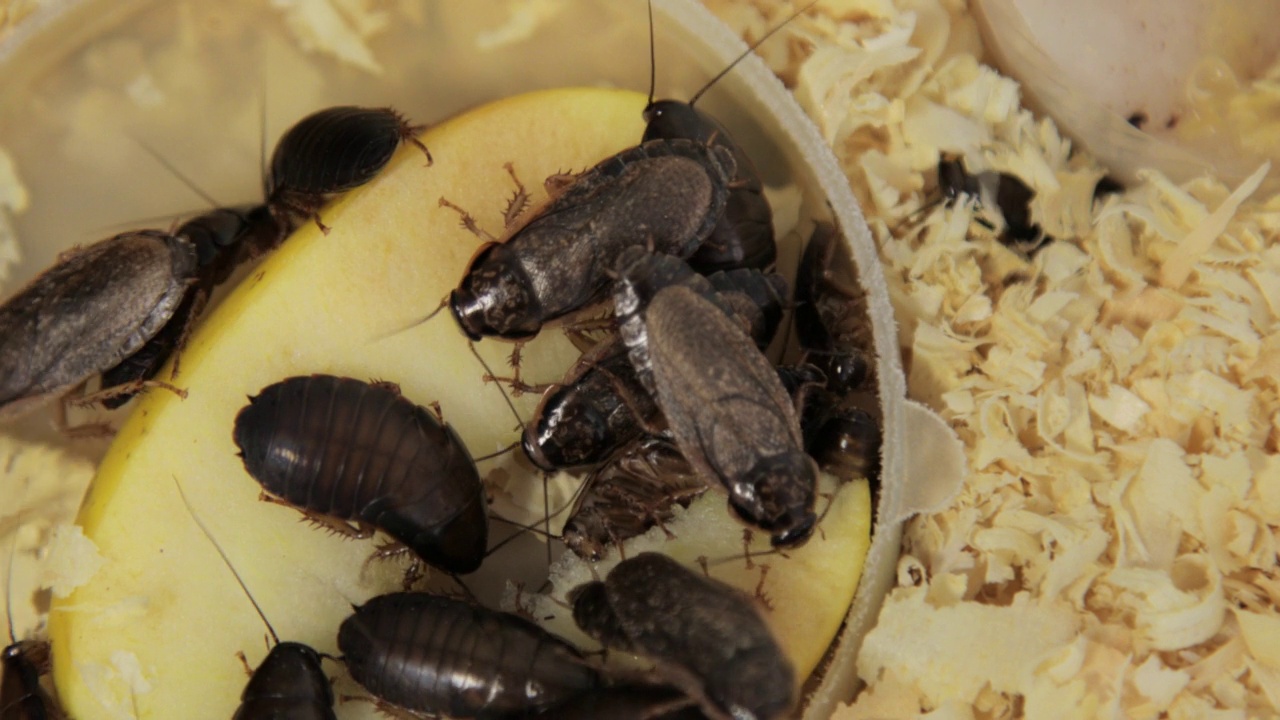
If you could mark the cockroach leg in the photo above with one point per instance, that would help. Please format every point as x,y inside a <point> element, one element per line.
<point>759,591</point>
<point>85,401</point>
<point>519,201</point>
<point>244,662</point>
<point>197,309</point>
<point>556,184</point>
<point>747,535</point>
<point>418,143</point>
<point>332,525</point>
<point>468,221</point>
<point>388,385</point>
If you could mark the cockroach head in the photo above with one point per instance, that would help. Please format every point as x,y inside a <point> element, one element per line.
<point>569,432</point>
<point>777,495</point>
<point>674,119</point>
<point>496,299</point>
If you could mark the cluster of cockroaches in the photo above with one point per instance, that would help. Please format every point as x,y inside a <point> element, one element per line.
<point>679,396</point>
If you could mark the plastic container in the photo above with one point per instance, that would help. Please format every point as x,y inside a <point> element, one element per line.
<point>90,87</point>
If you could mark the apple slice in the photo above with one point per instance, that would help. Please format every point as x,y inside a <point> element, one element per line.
<point>156,631</point>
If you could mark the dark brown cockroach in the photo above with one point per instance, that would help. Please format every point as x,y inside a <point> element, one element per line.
<point>597,408</point>
<point>831,319</point>
<point>439,655</point>
<point>722,399</point>
<point>289,682</point>
<point>331,151</point>
<point>224,239</point>
<point>1010,195</point>
<point>705,636</point>
<point>627,702</point>
<point>637,489</point>
<point>22,663</point>
<point>97,306</point>
<point>21,697</point>
<point>361,452</point>
<point>601,405</point>
<point>664,194</point>
<point>744,235</point>
<point>847,445</point>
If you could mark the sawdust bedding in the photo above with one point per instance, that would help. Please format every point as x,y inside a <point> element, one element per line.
<point>1114,550</point>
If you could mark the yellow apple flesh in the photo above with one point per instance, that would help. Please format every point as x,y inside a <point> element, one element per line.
<point>156,631</point>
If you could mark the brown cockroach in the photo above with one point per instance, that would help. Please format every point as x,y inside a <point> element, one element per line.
<point>331,151</point>
<point>438,655</point>
<point>348,449</point>
<point>743,237</point>
<point>830,318</point>
<point>224,239</point>
<point>707,638</point>
<point>667,193</point>
<point>97,306</point>
<point>1007,192</point>
<point>21,697</point>
<point>635,490</point>
<point>723,402</point>
<point>847,445</point>
<point>601,405</point>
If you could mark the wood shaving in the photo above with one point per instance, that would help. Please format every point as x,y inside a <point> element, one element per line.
<point>340,28</point>
<point>1114,550</point>
<point>13,200</point>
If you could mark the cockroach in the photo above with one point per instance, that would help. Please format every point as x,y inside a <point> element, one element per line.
<point>97,306</point>
<point>637,489</point>
<point>743,237</point>
<point>289,682</point>
<point>1010,195</point>
<point>847,445</point>
<point>21,697</point>
<point>224,238</point>
<point>667,194</point>
<point>831,320</point>
<point>723,402</point>
<point>627,702</point>
<point>332,151</point>
<point>23,662</point>
<point>438,655</point>
<point>601,405</point>
<point>361,452</point>
<point>597,408</point>
<point>703,635</point>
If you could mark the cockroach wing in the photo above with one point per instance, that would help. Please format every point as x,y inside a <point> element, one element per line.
<point>714,632</point>
<point>724,414</point>
<point>94,308</point>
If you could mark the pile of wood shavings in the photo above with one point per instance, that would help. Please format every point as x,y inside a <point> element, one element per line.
<point>1114,551</point>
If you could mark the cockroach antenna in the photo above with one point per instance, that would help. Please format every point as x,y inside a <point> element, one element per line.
<point>745,53</point>
<point>8,580</point>
<point>546,498</point>
<point>204,529</point>
<point>653,58</point>
<point>174,171</point>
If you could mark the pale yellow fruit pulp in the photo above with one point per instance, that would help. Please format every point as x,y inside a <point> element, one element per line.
<point>157,629</point>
